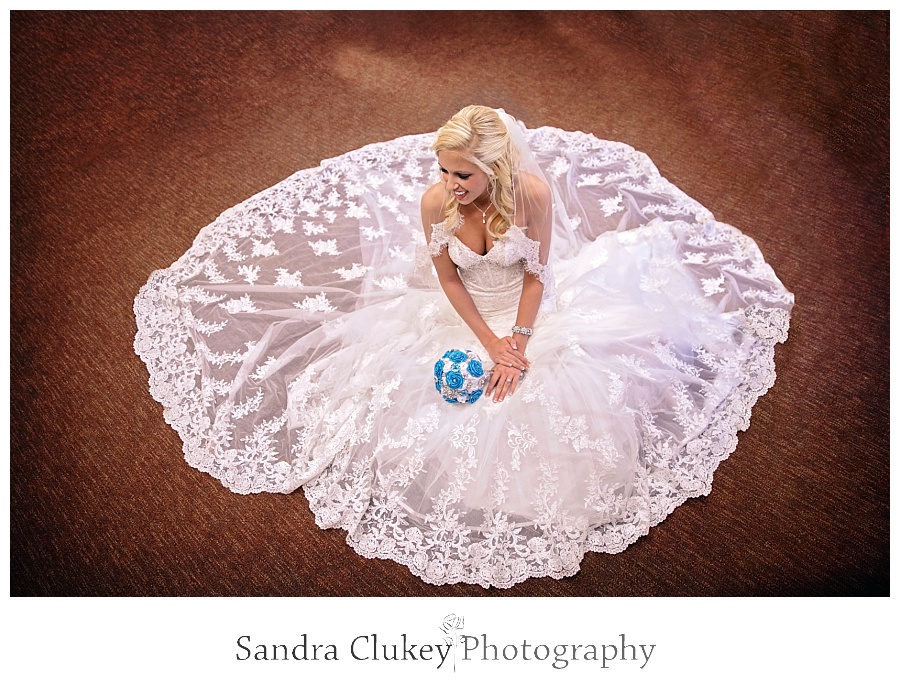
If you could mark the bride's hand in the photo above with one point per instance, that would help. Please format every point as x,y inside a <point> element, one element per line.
<point>504,351</point>
<point>503,382</point>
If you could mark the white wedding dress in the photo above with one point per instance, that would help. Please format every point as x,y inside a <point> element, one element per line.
<point>294,345</point>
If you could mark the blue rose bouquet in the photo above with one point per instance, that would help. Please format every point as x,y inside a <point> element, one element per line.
<point>459,376</point>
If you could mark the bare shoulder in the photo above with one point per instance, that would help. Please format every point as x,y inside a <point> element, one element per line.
<point>432,205</point>
<point>533,187</point>
<point>535,191</point>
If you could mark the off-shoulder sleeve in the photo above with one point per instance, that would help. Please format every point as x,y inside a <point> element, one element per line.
<point>440,237</point>
<point>534,261</point>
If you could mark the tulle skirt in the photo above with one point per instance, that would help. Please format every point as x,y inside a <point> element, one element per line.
<point>294,346</point>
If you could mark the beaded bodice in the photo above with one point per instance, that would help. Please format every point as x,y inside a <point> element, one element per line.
<point>494,280</point>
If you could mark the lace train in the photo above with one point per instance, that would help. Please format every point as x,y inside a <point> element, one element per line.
<point>293,345</point>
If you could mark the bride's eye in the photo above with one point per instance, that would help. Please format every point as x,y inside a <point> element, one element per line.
<point>463,177</point>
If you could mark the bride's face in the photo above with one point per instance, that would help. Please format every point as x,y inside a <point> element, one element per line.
<point>461,178</point>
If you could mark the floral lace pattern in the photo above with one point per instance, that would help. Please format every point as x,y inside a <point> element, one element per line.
<point>292,346</point>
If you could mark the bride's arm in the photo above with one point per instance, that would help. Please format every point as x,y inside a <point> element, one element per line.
<point>529,303</point>
<point>501,349</point>
<point>539,220</point>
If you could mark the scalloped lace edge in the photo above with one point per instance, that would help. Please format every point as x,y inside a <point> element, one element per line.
<point>732,416</point>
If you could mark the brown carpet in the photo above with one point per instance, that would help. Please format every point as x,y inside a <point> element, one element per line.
<point>131,131</point>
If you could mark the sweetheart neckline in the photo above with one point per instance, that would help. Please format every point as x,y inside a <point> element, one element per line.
<point>473,252</point>
<point>496,241</point>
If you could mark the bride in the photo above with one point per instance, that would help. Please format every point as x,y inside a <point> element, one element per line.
<point>477,203</point>
<point>626,336</point>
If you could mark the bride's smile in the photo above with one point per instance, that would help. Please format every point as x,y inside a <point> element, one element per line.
<point>463,179</point>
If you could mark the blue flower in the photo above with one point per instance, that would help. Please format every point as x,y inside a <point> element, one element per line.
<point>474,396</point>
<point>439,368</point>
<point>456,356</point>
<point>455,380</point>
<point>475,368</point>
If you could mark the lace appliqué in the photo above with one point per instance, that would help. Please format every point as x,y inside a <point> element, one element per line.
<point>248,339</point>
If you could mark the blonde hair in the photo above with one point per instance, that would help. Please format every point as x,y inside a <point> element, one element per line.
<point>480,136</point>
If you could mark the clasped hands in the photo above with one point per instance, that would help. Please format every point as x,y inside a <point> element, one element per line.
<point>509,367</point>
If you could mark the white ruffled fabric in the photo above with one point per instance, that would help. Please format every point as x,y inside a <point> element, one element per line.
<point>294,344</point>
